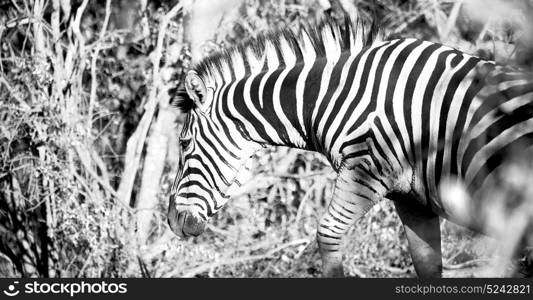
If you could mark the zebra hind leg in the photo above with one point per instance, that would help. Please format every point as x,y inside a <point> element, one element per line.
<point>352,198</point>
<point>422,229</point>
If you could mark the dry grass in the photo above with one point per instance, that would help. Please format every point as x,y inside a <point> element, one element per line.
<point>81,92</point>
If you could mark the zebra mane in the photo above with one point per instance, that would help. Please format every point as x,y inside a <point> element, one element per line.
<point>328,38</point>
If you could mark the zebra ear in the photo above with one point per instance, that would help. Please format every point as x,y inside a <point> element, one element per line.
<point>196,89</point>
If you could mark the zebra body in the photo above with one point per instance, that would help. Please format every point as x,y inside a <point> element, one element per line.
<point>394,117</point>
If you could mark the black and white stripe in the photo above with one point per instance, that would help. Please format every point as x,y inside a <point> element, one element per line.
<point>392,116</point>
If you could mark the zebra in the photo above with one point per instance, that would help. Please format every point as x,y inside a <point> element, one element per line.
<point>394,117</point>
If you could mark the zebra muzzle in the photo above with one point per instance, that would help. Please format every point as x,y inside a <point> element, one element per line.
<point>185,224</point>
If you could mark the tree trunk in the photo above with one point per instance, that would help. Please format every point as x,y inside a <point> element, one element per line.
<point>154,164</point>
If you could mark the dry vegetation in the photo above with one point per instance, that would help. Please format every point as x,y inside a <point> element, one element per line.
<point>87,141</point>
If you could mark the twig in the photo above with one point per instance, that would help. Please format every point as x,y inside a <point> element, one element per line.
<point>94,83</point>
<point>450,24</point>
<point>405,24</point>
<point>395,270</point>
<point>77,49</point>
<point>145,273</point>
<point>38,35</point>
<point>358,271</point>
<point>233,261</point>
<point>300,176</point>
<point>466,264</point>
<point>305,198</point>
<point>83,156</point>
<point>86,263</point>
<point>325,4</point>
<point>76,25</point>
<point>256,246</point>
<point>222,232</point>
<point>58,57</point>
<point>21,102</point>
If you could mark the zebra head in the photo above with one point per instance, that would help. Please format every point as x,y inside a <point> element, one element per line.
<point>212,154</point>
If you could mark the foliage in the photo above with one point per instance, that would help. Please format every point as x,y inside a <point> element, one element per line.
<point>74,89</point>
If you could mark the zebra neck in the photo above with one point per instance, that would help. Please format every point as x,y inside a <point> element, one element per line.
<point>269,108</point>
<point>281,106</point>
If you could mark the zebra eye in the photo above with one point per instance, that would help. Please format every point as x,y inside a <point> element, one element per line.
<point>185,143</point>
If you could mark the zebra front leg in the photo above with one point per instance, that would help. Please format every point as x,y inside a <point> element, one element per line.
<point>351,200</point>
<point>422,229</point>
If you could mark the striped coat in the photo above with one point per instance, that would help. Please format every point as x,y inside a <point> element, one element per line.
<point>396,119</point>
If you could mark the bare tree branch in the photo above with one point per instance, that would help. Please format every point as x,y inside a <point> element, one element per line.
<point>135,143</point>
<point>238,260</point>
<point>94,81</point>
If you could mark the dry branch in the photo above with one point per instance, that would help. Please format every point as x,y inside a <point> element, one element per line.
<point>94,82</point>
<point>154,164</point>
<point>135,144</point>
<point>239,260</point>
<point>157,142</point>
<point>466,264</point>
